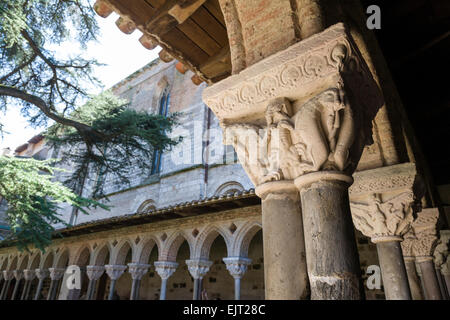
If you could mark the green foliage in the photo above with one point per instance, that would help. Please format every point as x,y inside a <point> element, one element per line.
<point>33,198</point>
<point>103,137</point>
<point>125,144</point>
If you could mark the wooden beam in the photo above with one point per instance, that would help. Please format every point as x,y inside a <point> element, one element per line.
<point>182,11</point>
<point>102,8</point>
<point>148,42</point>
<point>165,56</point>
<point>217,64</point>
<point>125,25</point>
<point>161,23</point>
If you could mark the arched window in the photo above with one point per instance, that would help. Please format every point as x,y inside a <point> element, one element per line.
<point>163,110</point>
<point>146,206</point>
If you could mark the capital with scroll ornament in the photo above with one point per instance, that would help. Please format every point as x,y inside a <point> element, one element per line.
<point>424,227</point>
<point>385,220</point>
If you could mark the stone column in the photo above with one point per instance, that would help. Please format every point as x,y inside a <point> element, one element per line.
<point>424,227</point>
<point>18,274</point>
<point>137,271</point>
<point>198,269</point>
<point>440,257</point>
<point>8,275</point>
<point>410,264</point>
<point>55,275</point>
<point>41,274</point>
<point>285,275</point>
<point>445,271</point>
<point>29,277</point>
<point>114,272</point>
<point>303,115</point>
<point>237,266</point>
<point>94,273</point>
<point>165,269</point>
<point>385,218</point>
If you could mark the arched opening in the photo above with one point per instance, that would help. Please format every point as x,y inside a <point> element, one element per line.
<point>218,283</point>
<point>82,261</point>
<point>123,284</point>
<point>229,188</point>
<point>151,282</point>
<point>102,285</point>
<point>48,262</point>
<point>12,266</point>
<point>21,286</point>
<point>252,284</point>
<point>146,206</point>
<point>34,264</point>
<point>180,286</point>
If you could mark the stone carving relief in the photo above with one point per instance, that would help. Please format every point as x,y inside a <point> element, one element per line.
<point>424,227</point>
<point>299,115</point>
<point>441,250</point>
<point>380,220</point>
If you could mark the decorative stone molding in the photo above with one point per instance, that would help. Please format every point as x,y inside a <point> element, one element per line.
<point>198,268</point>
<point>424,227</point>
<point>386,220</point>
<point>42,273</point>
<point>18,274</point>
<point>165,268</point>
<point>237,266</point>
<point>137,270</point>
<point>394,178</point>
<point>56,273</point>
<point>8,275</point>
<point>94,272</point>
<point>305,109</point>
<point>29,274</point>
<point>407,245</point>
<point>114,271</point>
<point>441,251</point>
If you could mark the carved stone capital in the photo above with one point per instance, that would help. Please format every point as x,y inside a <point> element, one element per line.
<point>8,275</point>
<point>303,110</point>
<point>94,272</point>
<point>29,274</point>
<point>137,270</point>
<point>424,227</point>
<point>56,273</point>
<point>18,274</point>
<point>442,249</point>
<point>42,273</point>
<point>384,218</point>
<point>165,268</point>
<point>237,266</point>
<point>407,245</point>
<point>198,268</point>
<point>114,271</point>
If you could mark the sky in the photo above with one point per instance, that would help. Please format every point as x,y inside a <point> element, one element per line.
<point>123,54</point>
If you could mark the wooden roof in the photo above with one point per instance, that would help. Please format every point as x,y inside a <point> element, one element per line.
<point>191,31</point>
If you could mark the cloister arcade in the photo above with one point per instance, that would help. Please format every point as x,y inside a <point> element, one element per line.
<point>208,260</point>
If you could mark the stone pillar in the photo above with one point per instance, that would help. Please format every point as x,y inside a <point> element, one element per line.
<point>165,269</point>
<point>237,266</point>
<point>41,274</point>
<point>410,264</point>
<point>29,277</point>
<point>440,257</point>
<point>303,115</point>
<point>424,227</point>
<point>114,272</point>
<point>385,218</point>
<point>198,269</point>
<point>55,275</point>
<point>445,271</point>
<point>137,271</point>
<point>8,275</point>
<point>18,275</point>
<point>94,273</point>
<point>285,274</point>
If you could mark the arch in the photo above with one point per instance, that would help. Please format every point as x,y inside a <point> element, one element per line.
<point>23,262</point>
<point>100,254</point>
<point>35,260</point>
<point>12,262</point>
<point>229,187</point>
<point>83,256</point>
<point>120,252</point>
<point>244,237</point>
<point>172,244</point>
<point>146,206</point>
<point>47,260</point>
<point>205,240</point>
<point>144,251</point>
<point>3,263</point>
